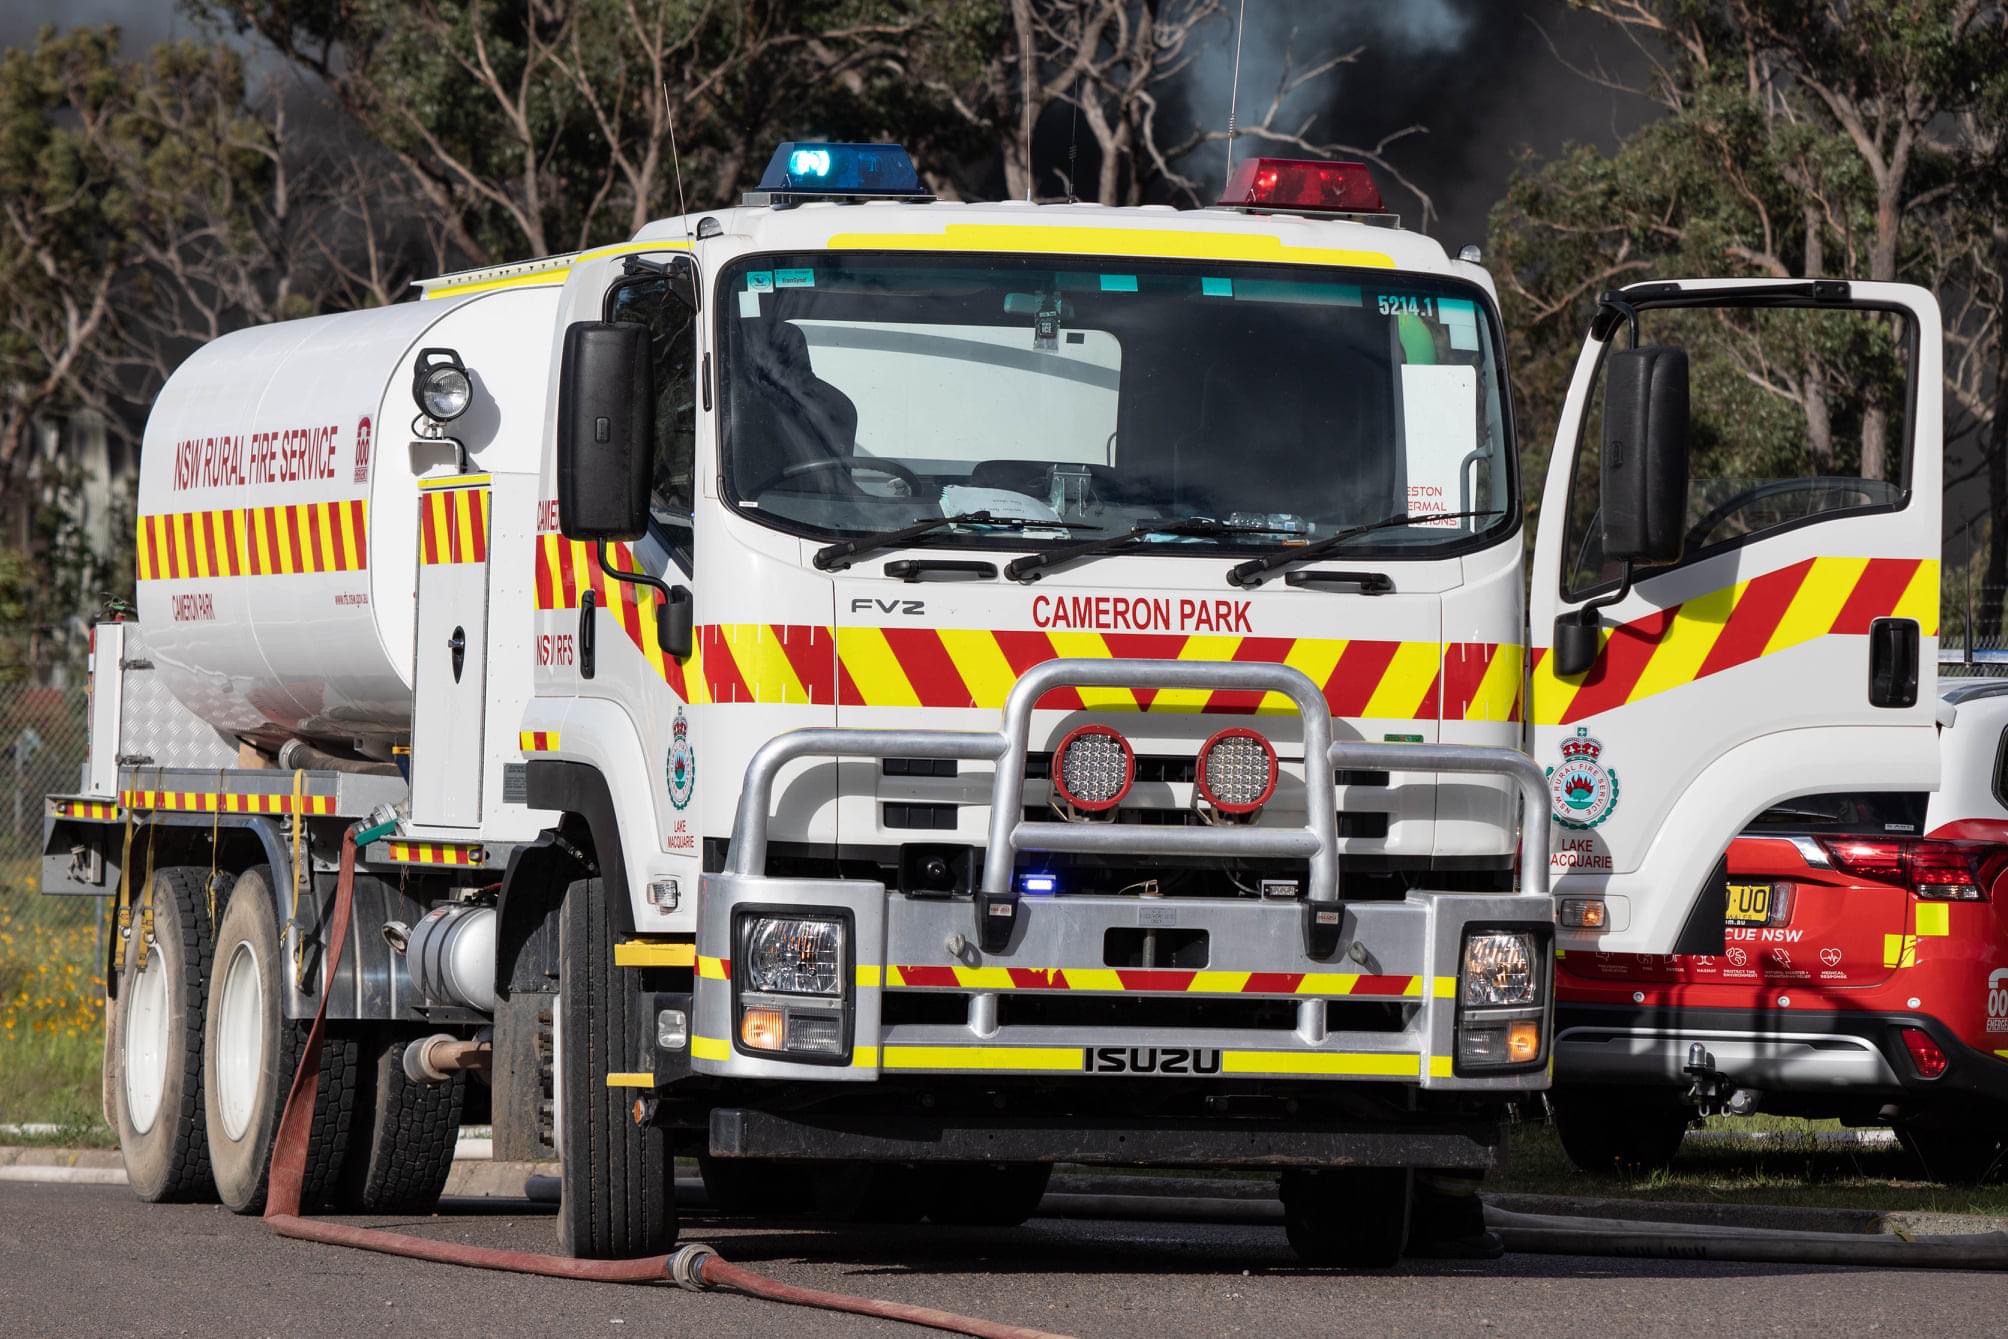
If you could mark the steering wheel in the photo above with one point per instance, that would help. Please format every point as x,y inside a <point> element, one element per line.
<point>850,465</point>
<point>1870,492</point>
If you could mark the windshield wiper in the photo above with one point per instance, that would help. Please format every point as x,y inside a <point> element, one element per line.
<point>1200,527</point>
<point>836,557</point>
<point>1253,572</point>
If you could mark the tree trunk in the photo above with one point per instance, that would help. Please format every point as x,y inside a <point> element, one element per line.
<point>1994,578</point>
<point>1812,388</point>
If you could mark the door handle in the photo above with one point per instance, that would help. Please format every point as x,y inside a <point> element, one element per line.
<point>457,644</point>
<point>588,602</point>
<point>1895,648</point>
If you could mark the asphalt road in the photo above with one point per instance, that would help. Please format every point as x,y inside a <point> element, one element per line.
<point>93,1261</point>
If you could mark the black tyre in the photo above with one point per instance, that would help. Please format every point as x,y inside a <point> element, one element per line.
<point>249,1052</point>
<point>758,1187</point>
<point>1957,1156</point>
<point>401,1142</point>
<point>153,1046</point>
<point>1618,1133</point>
<point>1354,1217</point>
<point>987,1194</point>
<point>616,1196</point>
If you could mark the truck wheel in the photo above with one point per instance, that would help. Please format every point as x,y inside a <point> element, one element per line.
<point>757,1187</point>
<point>1618,1133</point>
<point>1355,1217</point>
<point>987,1194</point>
<point>249,1052</point>
<point>153,1053</point>
<point>401,1141</point>
<point>1956,1157</point>
<point>616,1199</point>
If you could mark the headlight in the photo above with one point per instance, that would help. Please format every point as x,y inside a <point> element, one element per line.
<point>1093,768</point>
<point>1237,771</point>
<point>1500,969</point>
<point>795,957</point>
<point>439,383</point>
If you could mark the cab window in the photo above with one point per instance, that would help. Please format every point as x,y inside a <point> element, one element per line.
<point>1797,414</point>
<point>672,328</point>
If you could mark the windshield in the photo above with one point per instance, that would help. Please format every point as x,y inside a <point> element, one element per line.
<point>864,393</point>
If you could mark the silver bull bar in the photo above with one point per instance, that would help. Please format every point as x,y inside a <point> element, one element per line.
<point>1316,841</point>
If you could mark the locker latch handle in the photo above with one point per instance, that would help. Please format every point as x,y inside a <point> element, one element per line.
<point>457,644</point>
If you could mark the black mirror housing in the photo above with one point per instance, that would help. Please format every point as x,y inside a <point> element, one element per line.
<point>676,624</point>
<point>1644,458</point>
<point>606,430</point>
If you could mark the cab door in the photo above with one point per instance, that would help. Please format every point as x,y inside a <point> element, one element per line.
<point>450,668</point>
<point>1782,638</point>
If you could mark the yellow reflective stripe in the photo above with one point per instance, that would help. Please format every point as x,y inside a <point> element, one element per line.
<point>868,975</point>
<point>1920,598</point>
<point>453,481</point>
<point>1093,978</point>
<point>869,660</point>
<point>1313,657</point>
<point>1406,681</point>
<point>1934,919</point>
<point>1192,700</point>
<point>551,271</point>
<point>981,1057</point>
<point>1046,239</point>
<point>710,968</point>
<point>1090,646</point>
<point>654,953</point>
<point>1441,1067</point>
<point>1819,601</point>
<point>1327,983</point>
<point>981,663</point>
<point>621,1079</point>
<point>1222,983</point>
<point>1362,1063</point>
<point>1499,690</point>
<point>864,1057</point>
<point>763,665</point>
<point>1696,626</point>
<point>1446,987</point>
<point>710,1048</point>
<point>1899,950</point>
<point>984,978</point>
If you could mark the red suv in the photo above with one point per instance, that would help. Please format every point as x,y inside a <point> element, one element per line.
<point>1864,976</point>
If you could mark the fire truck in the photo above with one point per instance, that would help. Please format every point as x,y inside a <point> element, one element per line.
<point>886,695</point>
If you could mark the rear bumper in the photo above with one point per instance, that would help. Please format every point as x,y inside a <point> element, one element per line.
<point>1840,1053</point>
<point>1469,1144</point>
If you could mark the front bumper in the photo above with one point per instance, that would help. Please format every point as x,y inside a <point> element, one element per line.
<point>1842,1053</point>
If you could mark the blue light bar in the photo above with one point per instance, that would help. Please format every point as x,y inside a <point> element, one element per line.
<point>1038,885</point>
<point>810,170</point>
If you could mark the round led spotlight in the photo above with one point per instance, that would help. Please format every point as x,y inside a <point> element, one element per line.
<point>440,385</point>
<point>1093,768</point>
<point>1237,771</point>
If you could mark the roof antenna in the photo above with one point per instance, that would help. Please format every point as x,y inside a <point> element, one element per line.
<point>1234,93</point>
<point>1074,144</point>
<point>676,162</point>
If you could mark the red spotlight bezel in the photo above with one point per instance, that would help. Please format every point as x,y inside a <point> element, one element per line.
<point>1206,791</point>
<point>1059,772</point>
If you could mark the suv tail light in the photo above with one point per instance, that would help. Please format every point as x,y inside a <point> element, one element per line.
<point>1925,1054</point>
<point>1940,870</point>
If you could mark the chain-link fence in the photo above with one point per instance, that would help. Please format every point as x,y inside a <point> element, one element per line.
<point>51,990</point>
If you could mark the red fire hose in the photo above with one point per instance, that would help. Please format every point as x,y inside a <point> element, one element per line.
<point>698,1268</point>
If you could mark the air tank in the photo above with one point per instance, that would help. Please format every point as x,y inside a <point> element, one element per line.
<point>278,506</point>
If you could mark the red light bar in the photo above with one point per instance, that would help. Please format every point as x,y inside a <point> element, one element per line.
<point>1304,185</point>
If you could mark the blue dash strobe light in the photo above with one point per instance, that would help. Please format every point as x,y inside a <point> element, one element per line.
<point>802,170</point>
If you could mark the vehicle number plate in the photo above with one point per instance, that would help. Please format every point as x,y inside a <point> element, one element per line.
<point>1749,904</point>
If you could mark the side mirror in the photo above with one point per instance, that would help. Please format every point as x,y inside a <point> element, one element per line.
<point>676,623</point>
<point>606,430</point>
<point>1644,456</point>
<point>1575,648</point>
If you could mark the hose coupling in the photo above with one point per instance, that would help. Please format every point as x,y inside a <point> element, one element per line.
<point>686,1266</point>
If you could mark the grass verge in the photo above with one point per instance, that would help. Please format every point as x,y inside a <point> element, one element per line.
<point>1791,1168</point>
<point>51,1017</point>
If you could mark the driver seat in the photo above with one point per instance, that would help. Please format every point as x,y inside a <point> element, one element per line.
<point>788,416</point>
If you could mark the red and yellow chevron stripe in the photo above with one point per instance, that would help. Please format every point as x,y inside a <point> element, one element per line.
<point>434,853</point>
<point>1735,625</point>
<point>1123,980</point>
<point>538,741</point>
<point>96,810</point>
<point>215,802</point>
<point>255,541</point>
<point>453,526</point>
<point>811,665</point>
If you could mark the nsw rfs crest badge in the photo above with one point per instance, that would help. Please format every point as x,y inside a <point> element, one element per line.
<point>1585,790</point>
<point>680,770</point>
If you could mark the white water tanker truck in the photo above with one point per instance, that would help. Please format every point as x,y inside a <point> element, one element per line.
<point>889,695</point>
